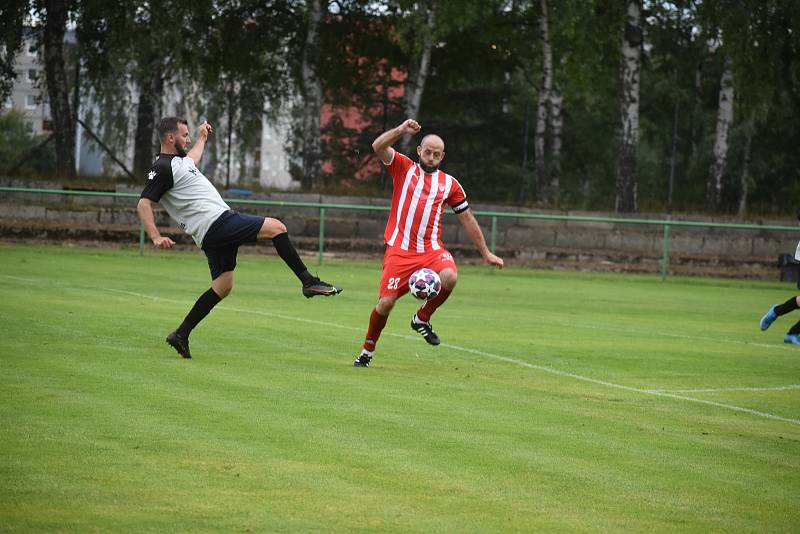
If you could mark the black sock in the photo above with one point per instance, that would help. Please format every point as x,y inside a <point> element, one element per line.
<point>795,330</point>
<point>288,254</point>
<point>788,306</point>
<point>204,304</point>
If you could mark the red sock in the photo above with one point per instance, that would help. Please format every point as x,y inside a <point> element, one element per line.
<point>376,324</point>
<point>429,306</point>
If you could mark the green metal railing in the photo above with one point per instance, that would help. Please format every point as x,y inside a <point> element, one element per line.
<point>322,207</point>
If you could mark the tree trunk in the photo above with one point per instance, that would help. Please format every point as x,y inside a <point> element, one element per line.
<point>627,169</point>
<point>145,143</point>
<point>312,92</point>
<point>523,190</point>
<point>745,180</point>
<point>542,108</point>
<point>56,76</point>
<point>556,127</point>
<point>724,120</point>
<point>673,156</point>
<point>415,83</point>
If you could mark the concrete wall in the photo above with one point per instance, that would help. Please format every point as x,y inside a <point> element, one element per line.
<point>529,240</point>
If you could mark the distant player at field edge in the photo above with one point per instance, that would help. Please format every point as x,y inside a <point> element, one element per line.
<point>793,335</point>
<point>413,231</point>
<point>195,204</point>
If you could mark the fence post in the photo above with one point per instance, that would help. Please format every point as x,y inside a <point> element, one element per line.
<point>665,253</point>
<point>493,240</point>
<point>141,239</point>
<point>321,234</point>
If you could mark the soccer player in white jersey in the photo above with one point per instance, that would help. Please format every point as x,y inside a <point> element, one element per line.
<point>195,204</point>
<point>413,232</point>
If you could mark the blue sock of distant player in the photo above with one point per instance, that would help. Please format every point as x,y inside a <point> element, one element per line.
<point>289,255</point>
<point>201,308</point>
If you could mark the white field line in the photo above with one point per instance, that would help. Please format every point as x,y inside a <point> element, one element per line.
<point>550,370</point>
<point>716,390</point>
<point>678,336</point>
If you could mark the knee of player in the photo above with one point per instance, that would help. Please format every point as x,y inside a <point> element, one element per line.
<point>449,279</point>
<point>223,289</point>
<point>278,227</point>
<point>385,305</point>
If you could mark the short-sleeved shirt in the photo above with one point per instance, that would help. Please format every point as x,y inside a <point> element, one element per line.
<point>417,202</point>
<point>188,196</point>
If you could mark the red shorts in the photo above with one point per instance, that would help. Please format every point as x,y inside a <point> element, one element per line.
<point>399,264</point>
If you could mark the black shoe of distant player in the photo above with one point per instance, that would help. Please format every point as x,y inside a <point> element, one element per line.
<point>363,360</point>
<point>426,331</point>
<point>318,287</point>
<point>179,343</point>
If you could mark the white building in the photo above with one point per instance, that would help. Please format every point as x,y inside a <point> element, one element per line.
<point>269,164</point>
<point>27,96</point>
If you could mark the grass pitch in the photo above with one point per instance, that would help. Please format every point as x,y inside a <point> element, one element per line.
<point>558,402</point>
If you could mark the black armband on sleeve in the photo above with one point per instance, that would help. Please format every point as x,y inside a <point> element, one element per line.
<point>461,207</point>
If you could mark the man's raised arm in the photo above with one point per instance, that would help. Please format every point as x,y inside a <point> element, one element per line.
<point>383,144</point>
<point>196,153</point>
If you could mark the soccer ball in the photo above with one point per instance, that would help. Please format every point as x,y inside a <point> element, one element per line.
<point>425,284</point>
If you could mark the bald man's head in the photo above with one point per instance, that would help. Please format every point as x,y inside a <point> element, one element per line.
<point>430,152</point>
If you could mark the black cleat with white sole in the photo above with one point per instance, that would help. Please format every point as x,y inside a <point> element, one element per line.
<point>179,343</point>
<point>426,331</point>
<point>363,360</point>
<point>318,287</point>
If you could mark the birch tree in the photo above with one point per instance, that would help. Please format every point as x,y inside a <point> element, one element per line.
<point>543,106</point>
<point>724,121</point>
<point>54,13</point>
<point>627,169</point>
<point>312,93</point>
<point>419,69</point>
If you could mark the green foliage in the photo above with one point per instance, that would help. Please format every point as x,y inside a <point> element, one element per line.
<point>238,60</point>
<point>18,143</point>
<point>12,15</point>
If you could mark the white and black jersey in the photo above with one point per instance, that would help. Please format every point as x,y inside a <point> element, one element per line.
<point>188,196</point>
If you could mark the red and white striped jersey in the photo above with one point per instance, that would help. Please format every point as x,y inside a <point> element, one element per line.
<point>415,219</point>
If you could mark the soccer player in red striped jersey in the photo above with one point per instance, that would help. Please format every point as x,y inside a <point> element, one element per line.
<point>413,232</point>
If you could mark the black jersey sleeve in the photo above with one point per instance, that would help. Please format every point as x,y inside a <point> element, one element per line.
<point>159,180</point>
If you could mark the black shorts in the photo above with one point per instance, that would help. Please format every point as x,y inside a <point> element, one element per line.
<point>221,242</point>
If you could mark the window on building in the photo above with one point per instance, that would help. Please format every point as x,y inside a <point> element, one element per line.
<point>33,75</point>
<point>8,103</point>
<point>30,102</point>
<point>32,49</point>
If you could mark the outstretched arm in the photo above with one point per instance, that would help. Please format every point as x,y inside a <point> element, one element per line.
<point>145,210</point>
<point>196,153</point>
<point>470,224</point>
<point>383,144</point>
